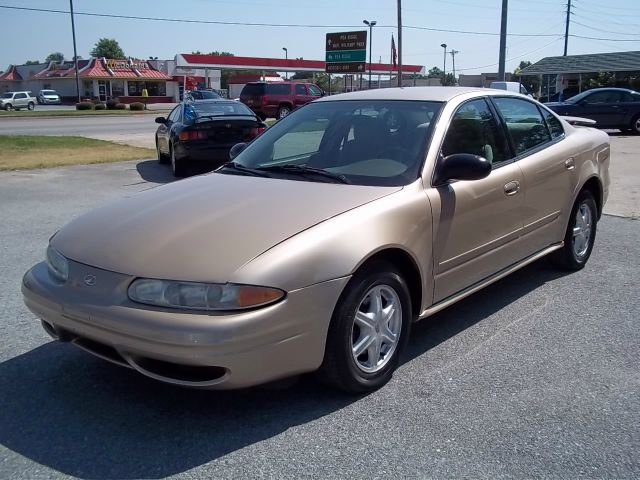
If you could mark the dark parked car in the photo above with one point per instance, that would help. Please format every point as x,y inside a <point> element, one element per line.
<point>204,131</point>
<point>278,99</point>
<point>609,107</point>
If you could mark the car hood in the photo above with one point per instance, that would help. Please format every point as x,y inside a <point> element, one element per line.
<point>206,227</point>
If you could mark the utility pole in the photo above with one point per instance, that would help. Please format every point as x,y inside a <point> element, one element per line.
<point>566,29</point>
<point>286,57</point>
<point>503,42</point>
<point>453,59</point>
<point>444,65</point>
<point>75,51</point>
<point>399,43</point>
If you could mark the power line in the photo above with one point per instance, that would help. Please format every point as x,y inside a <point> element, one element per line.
<point>256,24</point>
<point>606,31</point>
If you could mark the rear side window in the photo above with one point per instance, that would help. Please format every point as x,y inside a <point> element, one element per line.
<point>275,89</point>
<point>253,89</point>
<point>21,95</point>
<point>300,89</point>
<point>525,124</point>
<point>555,127</point>
<point>473,129</point>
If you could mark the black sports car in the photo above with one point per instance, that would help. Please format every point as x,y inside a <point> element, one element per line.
<point>609,107</point>
<point>204,131</point>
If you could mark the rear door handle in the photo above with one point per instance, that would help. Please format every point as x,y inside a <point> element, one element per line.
<point>512,188</point>
<point>570,163</point>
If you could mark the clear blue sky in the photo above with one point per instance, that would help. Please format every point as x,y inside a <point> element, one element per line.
<point>33,35</point>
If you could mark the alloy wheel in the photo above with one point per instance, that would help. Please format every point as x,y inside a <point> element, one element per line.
<point>582,230</point>
<point>376,328</point>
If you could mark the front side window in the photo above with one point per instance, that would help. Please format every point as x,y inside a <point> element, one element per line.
<point>376,142</point>
<point>314,90</point>
<point>21,95</point>
<point>473,129</point>
<point>604,97</point>
<point>276,89</point>
<point>524,122</point>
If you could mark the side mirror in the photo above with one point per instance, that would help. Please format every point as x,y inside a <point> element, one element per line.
<point>236,150</point>
<point>462,166</point>
<point>161,120</point>
<point>322,93</point>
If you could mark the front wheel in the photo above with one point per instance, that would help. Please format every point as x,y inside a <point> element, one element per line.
<point>8,107</point>
<point>369,329</point>
<point>31,106</point>
<point>635,125</point>
<point>580,234</point>
<point>162,158</point>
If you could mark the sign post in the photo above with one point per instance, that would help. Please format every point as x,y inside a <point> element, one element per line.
<point>346,52</point>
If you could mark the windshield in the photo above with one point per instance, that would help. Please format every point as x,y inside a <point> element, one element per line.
<point>49,92</point>
<point>377,142</point>
<point>578,97</point>
<point>7,95</point>
<point>208,109</point>
<point>204,95</point>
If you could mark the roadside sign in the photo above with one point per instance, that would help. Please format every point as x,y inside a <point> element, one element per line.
<point>346,52</point>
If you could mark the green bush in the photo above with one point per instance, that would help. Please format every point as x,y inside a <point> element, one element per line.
<point>84,106</point>
<point>100,106</point>
<point>120,106</point>
<point>111,103</point>
<point>136,106</point>
<point>96,101</point>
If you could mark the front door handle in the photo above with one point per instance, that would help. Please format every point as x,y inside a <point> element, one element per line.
<point>570,163</point>
<point>512,188</point>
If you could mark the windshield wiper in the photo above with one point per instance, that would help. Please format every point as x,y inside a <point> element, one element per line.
<point>238,167</point>
<point>308,171</point>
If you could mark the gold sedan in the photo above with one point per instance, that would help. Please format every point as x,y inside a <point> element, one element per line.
<point>325,238</point>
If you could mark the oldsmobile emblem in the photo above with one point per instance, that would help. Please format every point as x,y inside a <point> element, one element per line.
<point>89,280</point>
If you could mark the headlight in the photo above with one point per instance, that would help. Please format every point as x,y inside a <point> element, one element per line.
<point>201,296</point>
<point>57,264</point>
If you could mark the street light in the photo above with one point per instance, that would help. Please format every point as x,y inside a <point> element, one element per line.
<point>371,24</point>
<point>444,65</point>
<point>286,57</point>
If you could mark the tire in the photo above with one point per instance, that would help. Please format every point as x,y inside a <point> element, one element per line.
<point>380,341</point>
<point>8,107</point>
<point>177,165</point>
<point>580,234</point>
<point>635,125</point>
<point>31,106</point>
<point>162,158</point>
<point>283,111</point>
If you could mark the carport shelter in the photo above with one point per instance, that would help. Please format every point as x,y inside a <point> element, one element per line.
<point>571,74</point>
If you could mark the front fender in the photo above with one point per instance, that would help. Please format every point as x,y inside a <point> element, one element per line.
<point>338,246</point>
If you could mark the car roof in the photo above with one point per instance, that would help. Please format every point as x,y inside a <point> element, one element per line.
<point>434,94</point>
<point>610,89</point>
<point>220,100</point>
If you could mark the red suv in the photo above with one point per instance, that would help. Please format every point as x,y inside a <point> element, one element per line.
<point>278,99</point>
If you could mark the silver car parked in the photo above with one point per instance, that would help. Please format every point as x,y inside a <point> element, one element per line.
<point>17,100</point>
<point>48,97</point>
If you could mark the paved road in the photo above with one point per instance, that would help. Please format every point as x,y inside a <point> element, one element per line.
<point>136,130</point>
<point>535,376</point>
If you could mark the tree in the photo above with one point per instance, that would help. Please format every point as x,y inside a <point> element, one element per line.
<point>449,80</point>
<point>435,72</point>
<point>54,57</point>
<point>107,48</point>
<point>32,62</point>
<point>302,75</point>
<point>530,82</point>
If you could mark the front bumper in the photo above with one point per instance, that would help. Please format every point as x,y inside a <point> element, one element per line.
<point>218,351</point>
<point>50,101</point>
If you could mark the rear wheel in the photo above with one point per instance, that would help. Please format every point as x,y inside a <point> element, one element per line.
<point>162,158</point>
<point>369,329</point>
<point>580,234</point>
<point>283,111</point>
<point>177,165</point>
<point>31,106</point>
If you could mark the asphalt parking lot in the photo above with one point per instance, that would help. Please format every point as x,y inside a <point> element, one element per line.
<point>535,376</point>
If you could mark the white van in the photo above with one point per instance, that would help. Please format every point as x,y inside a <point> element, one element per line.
<point>510,87</point>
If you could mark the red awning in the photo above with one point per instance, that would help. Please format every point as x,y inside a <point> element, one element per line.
<point>189,60</point>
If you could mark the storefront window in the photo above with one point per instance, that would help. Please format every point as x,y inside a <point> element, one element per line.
<point>87,87</point>
<point>117,88</point>
<point>155,89</point>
